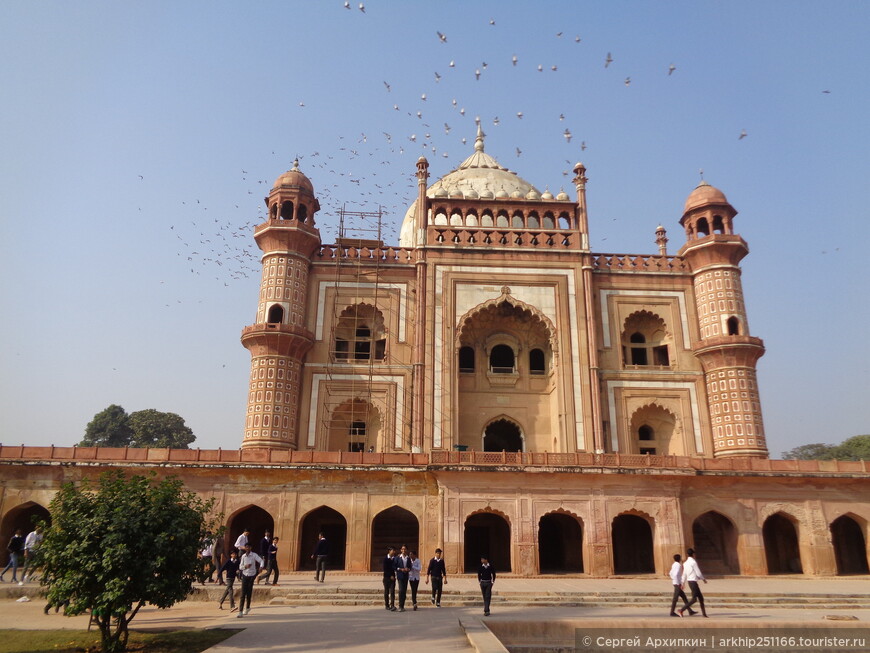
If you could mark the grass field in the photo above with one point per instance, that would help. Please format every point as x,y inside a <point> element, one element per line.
<point>79,641</point>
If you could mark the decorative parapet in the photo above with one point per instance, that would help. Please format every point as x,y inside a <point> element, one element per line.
<point>23,454</point>
<point>438,236</point>
<point>382,254</point>
<point>639,262</point>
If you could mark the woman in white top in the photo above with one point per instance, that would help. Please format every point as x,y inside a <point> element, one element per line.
<point>414,576</point>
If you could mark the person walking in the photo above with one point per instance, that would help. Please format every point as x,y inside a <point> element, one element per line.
<point>219,559</point>
<point>321,552</point>
<point>403,571</point>
<point>271,563</point>
<point>206,555</point>
<point>249,565</point>
<point>438,573</point>
<point>242,540</point>
<point>693,574</point>
<point>15,547</point>
<point>31,543</point>
<point>677,581</point>
<point>231,569</point>
<point>486,578</point>
<point>390,579</point>
<point>414,576</point>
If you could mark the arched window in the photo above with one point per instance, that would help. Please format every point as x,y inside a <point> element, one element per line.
<point>645,432</point>
<point>718,225</point>
<point>501,360</point>
<point>466,359</point>
<point>733,326</point>
<point>517,222</point>
<point>502,219</point>
<point>537,362</point>
<point>703,228</point>
<point>645,340</point>
<point>564,221</point>
<point>302,213</point>
<point>276,314</point>
<point>534,222</point>
<point>287,210</point>
<point>356,440</point>
<point>360,335</point>
<point>549,221</point>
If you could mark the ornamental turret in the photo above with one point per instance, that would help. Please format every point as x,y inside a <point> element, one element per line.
<point>728,354</point>
<point>279,340</point>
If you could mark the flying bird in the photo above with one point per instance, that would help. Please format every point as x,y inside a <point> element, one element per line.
<point>671,69</point>
<point>388,87</point>
<point>567,134</point>
<point>520,115</point>
<point>346,4</point>
<point>423,97</point>
<point>446,128</point>
<point>442,37</point>
<point>495,121</point>
<point>437,77</point>
<point>514,60</point>
<point>540,68</point>
<point>558,35</point>
<point>561,116</point>
<point>577,39</point>
<point>582,146</point>
<point>492,21</point>
<point>628,81</point>
<point>742,135</point>
<point>553,68</point>
<point>362,7</point>
<point>519,151</point>
<point>608,60</point>
<point>477,73</point>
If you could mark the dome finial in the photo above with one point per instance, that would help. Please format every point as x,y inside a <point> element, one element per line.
<point>295,167</point>
<point>478,142</point>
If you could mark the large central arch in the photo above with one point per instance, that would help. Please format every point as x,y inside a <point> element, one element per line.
<point>502,434</point>
<point>715,541</point>
<point>394,526</point>
<point>632,545</point>
<point>333,525</point>
<point>560,544</point>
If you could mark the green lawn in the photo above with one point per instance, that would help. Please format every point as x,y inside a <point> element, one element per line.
<point>79,641</point>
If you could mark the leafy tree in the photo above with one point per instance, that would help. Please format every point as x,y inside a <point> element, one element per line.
<point>151,428</point>
<point>855,448</point>
<point>113,427</point>
<point>816,451</point>
<point>113,548</point>
<point>109,428</point>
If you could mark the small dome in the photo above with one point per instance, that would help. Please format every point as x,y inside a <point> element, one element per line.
<point>517,194</point>
<point>471,194</point>
<point>533,195</point>
<point>486,194</point>
<point>547,195</point>
<point>563,196</point>
<point>294,177</point>
<point>441,193</point>
<point>455,193</point>
<point>703,195</point>
<point>501,194</point>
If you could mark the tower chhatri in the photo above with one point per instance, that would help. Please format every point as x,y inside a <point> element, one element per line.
<point>728,354</point>
<point>278,340</point>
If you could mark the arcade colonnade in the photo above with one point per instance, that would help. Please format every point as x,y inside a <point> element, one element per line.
<point>528,523</point>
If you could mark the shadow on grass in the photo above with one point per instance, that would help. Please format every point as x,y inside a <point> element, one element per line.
<point>79,641</point>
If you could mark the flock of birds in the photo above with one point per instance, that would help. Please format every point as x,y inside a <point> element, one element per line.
<point>363,172</point>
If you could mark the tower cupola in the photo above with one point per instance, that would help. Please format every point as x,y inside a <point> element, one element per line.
<point>292,197</point>
<point>707,212</point>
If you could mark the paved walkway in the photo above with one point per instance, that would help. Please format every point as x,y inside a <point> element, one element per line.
<point>370,629</point>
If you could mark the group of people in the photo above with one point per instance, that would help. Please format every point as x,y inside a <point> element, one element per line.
<point>22,548</point>
<point>246,565</point>
<point>687,572</point>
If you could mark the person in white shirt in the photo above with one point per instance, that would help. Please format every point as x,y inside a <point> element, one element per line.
<point>414,576</point>
<point>677,580</point>
<point>692,573</point>
<point>241,541</point>
<point>249,566</point>
<point>31,543</point>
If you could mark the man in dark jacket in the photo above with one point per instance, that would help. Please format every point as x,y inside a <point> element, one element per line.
<point>403,568</point>
<point>321,551</point>
<point>438,573</point>
<point>390,579</point>
<point>486,578</point>
<point>231,569</point>
<point>15,547</point>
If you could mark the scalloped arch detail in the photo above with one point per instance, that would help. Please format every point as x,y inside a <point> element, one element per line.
<point>507,298</point>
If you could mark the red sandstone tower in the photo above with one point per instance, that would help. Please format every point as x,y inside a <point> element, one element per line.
<point>726,351</point>
<point>279,340</point>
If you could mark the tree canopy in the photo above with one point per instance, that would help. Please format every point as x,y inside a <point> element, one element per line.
<point>113,547</point>
<point>113,427</point>
<point>854,448</point>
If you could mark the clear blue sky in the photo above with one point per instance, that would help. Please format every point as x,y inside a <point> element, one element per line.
<point>138,139</point>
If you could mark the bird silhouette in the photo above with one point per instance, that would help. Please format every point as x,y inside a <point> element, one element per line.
<point>442,37</point>
<point>388,87</point>
<point>742,135</point>
<point>671,69</point>
<point>514,60</point>
<point>362,7</point>
<point>567,134</point>
<point>628,81</point>
<point>608,60</point>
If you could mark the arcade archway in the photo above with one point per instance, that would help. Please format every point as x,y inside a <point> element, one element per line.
<point>23,518</point>
<point>560,544</point>
<point>850,547</point>
<point>632,545</point>
<point>502,435</point>
<point>715,541</point>
<point>256,520</point>
<point>394,526</point>
<point>333,525</point>
<point>487,533</point>
<point>781,545</point>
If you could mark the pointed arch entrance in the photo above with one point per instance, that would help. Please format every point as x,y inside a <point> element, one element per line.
<point>502,435</point>
<point>781,545</point>
<point>560,544</point>
<point>850,547</point>
<point>333,525</point>
<point>715,540</point>
<point>394,526</point>
<point>23,518</point>
<point>632,545</point>
<point>255,519</point>
<point>487,533</point>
